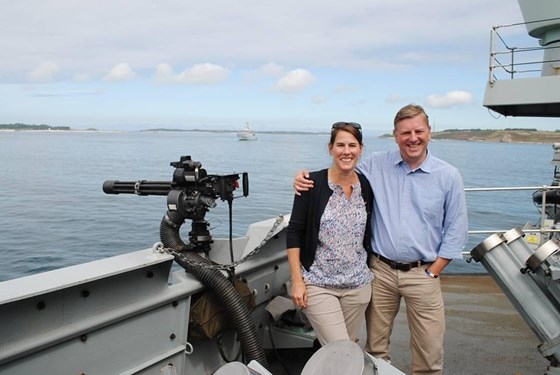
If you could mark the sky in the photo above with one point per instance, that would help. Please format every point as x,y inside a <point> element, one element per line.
<point>279,65</point>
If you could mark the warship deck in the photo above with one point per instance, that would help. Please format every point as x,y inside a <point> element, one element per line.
<point>485,334</point>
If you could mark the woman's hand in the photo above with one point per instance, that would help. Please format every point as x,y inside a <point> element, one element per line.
<point>299,294</point>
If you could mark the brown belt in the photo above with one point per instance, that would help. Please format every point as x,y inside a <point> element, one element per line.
<point>401,266</point>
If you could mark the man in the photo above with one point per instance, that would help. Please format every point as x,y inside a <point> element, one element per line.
<point>419,225</point>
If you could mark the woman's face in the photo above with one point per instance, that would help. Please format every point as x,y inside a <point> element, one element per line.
<point>345,151</point>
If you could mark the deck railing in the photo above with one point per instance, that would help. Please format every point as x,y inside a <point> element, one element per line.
<point>512,61</point>
<point>542,228</point>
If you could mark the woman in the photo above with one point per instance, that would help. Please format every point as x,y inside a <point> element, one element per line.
<point>328,240</point>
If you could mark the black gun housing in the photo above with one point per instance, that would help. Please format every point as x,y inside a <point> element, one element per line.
<point>190,194</point>
<point>189,176</point>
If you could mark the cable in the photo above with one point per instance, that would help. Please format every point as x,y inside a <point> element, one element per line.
<point>274,347</point>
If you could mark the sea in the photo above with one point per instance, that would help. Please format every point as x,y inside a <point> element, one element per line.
<point>54,213</point>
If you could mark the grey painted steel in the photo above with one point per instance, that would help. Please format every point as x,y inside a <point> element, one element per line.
<point>129,314</point>
<point>532,97</point>
<point>485,246</point>
<point>542,254</point>
<point>233,368</point>
<point>127,308</point>
<point>517,246</point>
<point>535,306</point>
<point>346,357</point>
<point>512,235</point>
<point>546,31</point>
<point>544,267</point>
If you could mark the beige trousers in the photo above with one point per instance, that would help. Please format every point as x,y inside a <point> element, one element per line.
<point>336,314</point>
<point>424,309</point>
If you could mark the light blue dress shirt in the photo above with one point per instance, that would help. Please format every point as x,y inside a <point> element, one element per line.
<point>418,214</point>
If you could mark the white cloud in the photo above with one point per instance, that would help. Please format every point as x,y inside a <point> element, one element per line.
<point>203,73</point>
<point>294,81</point>
<point>45,72</point>
<point>353,52</point>
<point>264,72</point>
<point>180,33</point>
<point>450,99</point>
<point>120,72</point>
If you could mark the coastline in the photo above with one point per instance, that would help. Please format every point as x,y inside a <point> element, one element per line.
<point>497,136</point>
<point>473,135</point>
<point>501,136</point>
<point>59,131</point>
<point>219,131</point>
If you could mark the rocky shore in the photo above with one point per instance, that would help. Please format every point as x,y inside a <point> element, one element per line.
<point>501,136</point>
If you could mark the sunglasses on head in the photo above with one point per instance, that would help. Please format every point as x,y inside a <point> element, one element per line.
<point>340,124</point>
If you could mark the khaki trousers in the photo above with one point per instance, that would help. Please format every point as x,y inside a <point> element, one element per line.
<point>336,314</point>
<point>424,309</point>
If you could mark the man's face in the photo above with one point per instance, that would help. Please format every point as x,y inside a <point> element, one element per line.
<point>413,135</point>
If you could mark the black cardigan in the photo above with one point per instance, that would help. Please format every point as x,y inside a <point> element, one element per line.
<point>307,209</point>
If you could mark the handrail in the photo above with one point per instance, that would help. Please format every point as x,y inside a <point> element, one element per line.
<point>513,188</point>
<point>542,229</point>
<point>517,188</point>
<point>522,60</point>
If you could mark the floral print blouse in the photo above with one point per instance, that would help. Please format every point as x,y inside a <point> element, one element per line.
<point>341,260</point>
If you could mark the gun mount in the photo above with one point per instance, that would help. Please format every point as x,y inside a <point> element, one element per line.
<point>190,194</point>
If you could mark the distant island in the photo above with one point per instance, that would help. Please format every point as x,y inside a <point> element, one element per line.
<point>232,131</point>
<point>507,135</point>
<point>19,126</point>
<point>43,127</point>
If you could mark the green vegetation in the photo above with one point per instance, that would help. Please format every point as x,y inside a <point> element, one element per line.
<point>19,126</point>
<point>508,135</point>
<point>480,130</point>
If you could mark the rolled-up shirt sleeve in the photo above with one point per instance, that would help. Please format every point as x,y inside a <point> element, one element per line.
<point>455,222</point>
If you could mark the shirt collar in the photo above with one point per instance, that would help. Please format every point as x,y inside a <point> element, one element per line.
<point>426,165</point>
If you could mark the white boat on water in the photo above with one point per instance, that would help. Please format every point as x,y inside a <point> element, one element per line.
<point>246,133</point>
<point>134,313</point>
